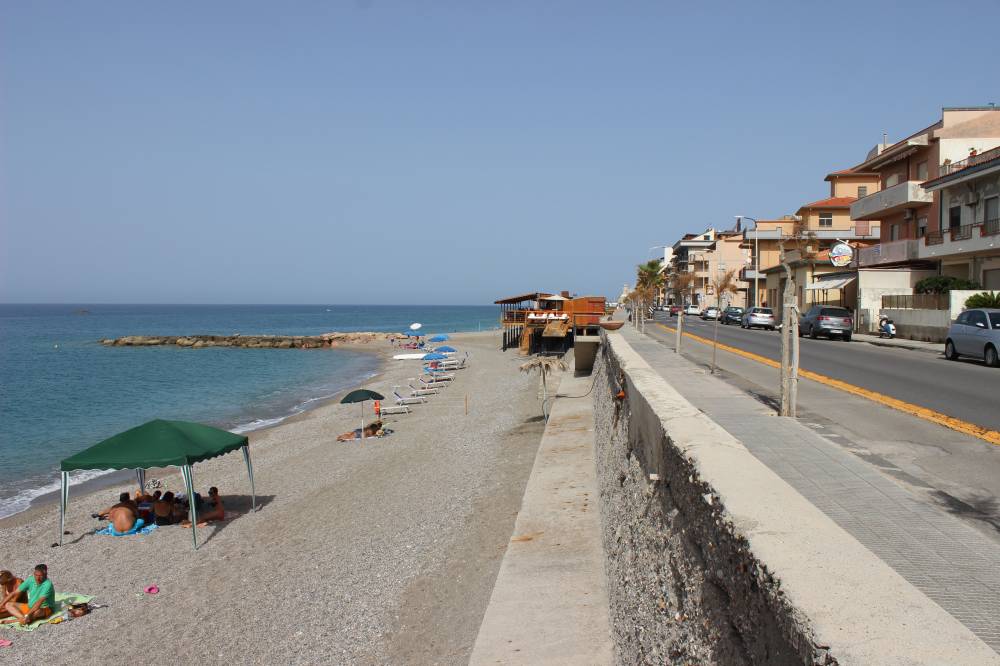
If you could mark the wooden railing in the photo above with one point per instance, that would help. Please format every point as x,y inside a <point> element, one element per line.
<point>917,302</point>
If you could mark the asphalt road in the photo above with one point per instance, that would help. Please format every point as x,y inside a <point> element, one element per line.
<point>966,390</point>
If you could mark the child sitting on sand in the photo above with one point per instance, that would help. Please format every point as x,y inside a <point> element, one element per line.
<point>9,584</point>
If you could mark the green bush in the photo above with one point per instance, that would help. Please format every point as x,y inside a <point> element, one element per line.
<point>984,300</point>
<point>942,284</point>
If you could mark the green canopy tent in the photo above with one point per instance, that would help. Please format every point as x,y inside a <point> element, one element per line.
<point>158,443</point>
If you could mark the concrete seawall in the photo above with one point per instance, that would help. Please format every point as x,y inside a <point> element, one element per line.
<point>714,559</point>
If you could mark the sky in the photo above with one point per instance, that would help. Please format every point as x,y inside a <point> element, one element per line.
<point>434,152</point>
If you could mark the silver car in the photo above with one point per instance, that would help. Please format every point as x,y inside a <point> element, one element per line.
<point>975,333</point>
<point>759,317</point>
<point>826,320</point>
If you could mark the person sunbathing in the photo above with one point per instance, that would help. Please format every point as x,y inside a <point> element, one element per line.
<point>216,513</point>
<point>371,430</point>
<point>163,509</point>
<point>8,584</point>
<point>41,599</point>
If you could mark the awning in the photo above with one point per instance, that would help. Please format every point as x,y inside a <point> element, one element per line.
<point>832,282</point>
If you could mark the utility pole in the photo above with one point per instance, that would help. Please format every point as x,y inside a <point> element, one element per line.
<point>680,328</point>
<point>789,342</point>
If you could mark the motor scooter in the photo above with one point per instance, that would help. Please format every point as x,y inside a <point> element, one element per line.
<point>886,329</point>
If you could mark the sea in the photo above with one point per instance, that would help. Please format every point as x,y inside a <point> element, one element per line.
<point>62,391</point>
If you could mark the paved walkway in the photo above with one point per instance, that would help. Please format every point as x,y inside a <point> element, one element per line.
<point>550,601</point>
<point>950,562</point>
<point>901,343</point>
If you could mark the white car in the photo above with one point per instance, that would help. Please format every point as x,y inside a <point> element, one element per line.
<point>692,310</point>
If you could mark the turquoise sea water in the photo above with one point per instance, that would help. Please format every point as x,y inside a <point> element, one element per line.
<point>61,390</point>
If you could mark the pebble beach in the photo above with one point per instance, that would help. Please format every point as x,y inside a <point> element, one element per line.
<point>375,552</point>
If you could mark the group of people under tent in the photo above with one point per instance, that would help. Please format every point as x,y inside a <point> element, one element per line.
<point>160,508</point>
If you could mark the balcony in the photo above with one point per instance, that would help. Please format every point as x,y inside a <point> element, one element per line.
<point>889,253</point>
<point>964,240</point>
<point>890,200</point>
<point>973,160</point>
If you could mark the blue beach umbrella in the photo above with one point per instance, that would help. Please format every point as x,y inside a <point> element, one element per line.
<point>446,349</point>
<point>434,356</point>
<point>439,338</point>
<point>411,334</point>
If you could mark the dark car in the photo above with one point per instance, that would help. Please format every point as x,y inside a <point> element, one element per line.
<point>674,309</point>
<point>732,315</point>
<point>826,320</point>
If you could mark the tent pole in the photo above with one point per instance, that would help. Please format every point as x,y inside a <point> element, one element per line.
<point>253,493</point>
<point>192,511</point>
<point>362,419</point>
<point>140,474</point>
<point>63,498</point>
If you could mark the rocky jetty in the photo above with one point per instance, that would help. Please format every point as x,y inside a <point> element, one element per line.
<point>251,341</point>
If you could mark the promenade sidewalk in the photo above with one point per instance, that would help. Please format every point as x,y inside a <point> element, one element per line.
<point>900,343</point>
<point>949,561</point>
<point>550,601</point>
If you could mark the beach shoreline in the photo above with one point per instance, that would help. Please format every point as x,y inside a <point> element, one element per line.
<point>396,541</point>
<point>116,478</point>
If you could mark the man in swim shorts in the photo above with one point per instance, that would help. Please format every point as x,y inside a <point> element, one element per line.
<point>41,598</point>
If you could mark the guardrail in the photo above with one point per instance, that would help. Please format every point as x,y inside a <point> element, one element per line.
<point>963,232</point>
<point>970,161</point>
<point>934,238</point>
<point>990,227</point>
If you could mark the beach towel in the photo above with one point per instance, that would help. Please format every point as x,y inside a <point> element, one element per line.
<point>139,528</point>
<point>63,601</point>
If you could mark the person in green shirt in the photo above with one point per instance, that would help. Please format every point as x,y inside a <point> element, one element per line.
<point>41,598</point>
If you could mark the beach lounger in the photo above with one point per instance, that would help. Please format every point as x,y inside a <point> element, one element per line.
<point>400,400</point>
<point>439,375</point>
<point>431,382</point>
<point>396,409</point>
<point>415,390</point>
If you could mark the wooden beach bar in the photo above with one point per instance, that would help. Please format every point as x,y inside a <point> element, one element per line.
<point>543,322</point>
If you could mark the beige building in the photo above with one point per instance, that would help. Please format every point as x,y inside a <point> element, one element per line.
<point>708,256</point>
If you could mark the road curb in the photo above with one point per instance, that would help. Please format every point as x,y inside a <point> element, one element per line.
<point>889,345</point>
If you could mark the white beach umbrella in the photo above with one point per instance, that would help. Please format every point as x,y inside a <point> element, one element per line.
<point>416,326</point>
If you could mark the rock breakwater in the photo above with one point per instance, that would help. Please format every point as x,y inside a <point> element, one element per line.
<point>251,341</point>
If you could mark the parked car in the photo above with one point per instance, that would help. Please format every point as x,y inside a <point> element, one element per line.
<point>711,312</point>
<point>732,315</point>
<point>975,333</point>
<point>758,317</point>
<point>828,321</point>
<point>674,309</point>
<point>692,310</point>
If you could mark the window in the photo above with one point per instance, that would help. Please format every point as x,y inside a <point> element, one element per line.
<point>963,318</point>
<point>826,219</point>
<point>922,171</point>
<point>992,209</point>
<point>954,217</point>
<point>921,226</point>
<point>891,179</point>
<point>977,318</point>
<point>995,319</point>
<point>862,191</point>
<point>893,232</point>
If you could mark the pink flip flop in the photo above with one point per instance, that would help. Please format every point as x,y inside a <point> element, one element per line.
<point>5,643</point>
<point>151,589</point>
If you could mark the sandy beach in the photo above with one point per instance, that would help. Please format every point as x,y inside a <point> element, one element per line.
<point>382,551</point>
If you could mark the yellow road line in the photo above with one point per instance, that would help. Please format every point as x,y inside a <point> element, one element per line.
<point>971,429</point>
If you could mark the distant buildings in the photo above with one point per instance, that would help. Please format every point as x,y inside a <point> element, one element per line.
<point>926,205</point>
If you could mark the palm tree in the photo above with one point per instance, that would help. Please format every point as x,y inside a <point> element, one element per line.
<point>649,279</point>
<point>724,285</point>
<point>544,365</point>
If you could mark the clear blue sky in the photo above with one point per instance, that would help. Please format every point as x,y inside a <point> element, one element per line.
<point>434,152</point>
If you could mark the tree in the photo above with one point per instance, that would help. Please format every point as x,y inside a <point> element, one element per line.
<point>544,365</point>
<point>649,279</point>
<point>986,299</point>
<point>682,282</point>
<point>725,285</point>
<point>942,284</point>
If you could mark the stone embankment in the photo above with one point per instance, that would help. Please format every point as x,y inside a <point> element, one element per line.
<point>251,341</point>
<point>714,559</point>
